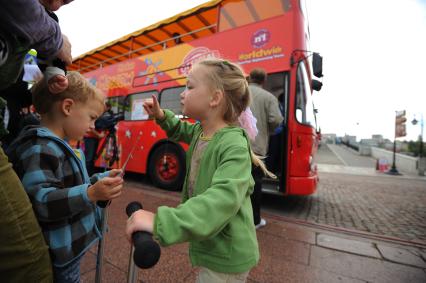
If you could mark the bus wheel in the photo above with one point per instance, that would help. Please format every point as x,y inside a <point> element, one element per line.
<point>167,167</point>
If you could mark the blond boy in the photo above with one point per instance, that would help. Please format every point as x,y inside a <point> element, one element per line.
<point>55,177</point>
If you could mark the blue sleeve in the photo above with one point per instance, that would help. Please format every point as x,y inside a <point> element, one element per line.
<point>43,180</point>
<point>96,177</point>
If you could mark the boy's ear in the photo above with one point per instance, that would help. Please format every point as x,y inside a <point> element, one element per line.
<point>66,106</point>
<point>216,98</point>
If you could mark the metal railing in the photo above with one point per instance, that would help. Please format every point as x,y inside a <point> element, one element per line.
<point>163,42</point>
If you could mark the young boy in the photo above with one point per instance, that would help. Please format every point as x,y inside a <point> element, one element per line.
<point>55,177</point>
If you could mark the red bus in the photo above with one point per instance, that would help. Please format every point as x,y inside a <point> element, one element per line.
<point>270,34</point>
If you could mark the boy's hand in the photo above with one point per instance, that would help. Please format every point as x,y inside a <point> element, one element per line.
<point>140,220</point>
<point>152,107</point>
<point>107,188</point>
<point>57,84</point>
<point>115,172</point>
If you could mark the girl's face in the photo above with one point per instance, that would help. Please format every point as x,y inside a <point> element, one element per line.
<point>82,118</point>
<point>195,99</point>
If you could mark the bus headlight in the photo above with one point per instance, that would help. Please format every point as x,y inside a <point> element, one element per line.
<point>312,165</point>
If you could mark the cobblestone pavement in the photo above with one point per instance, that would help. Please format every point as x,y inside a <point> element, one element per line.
<point>383,205</point>
<point>290,251</point>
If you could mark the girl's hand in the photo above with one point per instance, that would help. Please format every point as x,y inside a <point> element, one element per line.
<point>140,220</point>
<point>152,107</point>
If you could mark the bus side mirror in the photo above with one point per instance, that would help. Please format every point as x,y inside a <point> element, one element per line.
<point>316,85</point>
<point>317,65</point>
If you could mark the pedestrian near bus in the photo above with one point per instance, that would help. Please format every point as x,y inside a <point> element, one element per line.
<point>265,108</point>
<point>55,177</point>
<point>215,216</point>
<point>91,142</point>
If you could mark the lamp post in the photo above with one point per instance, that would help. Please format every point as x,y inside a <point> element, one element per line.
<point>414,122</point>
<point>422,160</point>
<point>400,131</point>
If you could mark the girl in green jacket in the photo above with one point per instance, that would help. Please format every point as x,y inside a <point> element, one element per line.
<point>215,215</point>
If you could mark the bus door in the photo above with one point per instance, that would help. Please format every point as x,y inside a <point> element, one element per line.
<point>276,159</point>
<point>302,136</point>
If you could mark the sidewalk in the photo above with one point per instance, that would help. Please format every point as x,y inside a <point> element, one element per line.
<point>291,251</point>
<point>365,171</point>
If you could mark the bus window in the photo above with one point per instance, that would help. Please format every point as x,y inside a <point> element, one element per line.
<point>117,104</point>
<point>135,110</point>
<point>170,99</point>
<point>237,13</point>
<point>277,84</point>
<point>304,105</point>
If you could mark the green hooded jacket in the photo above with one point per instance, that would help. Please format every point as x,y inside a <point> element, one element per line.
<point>218,219</point>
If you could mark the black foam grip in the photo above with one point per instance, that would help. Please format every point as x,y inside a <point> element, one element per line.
<point>103,203</point>
<point>147,251</point>
<point>132,207</point>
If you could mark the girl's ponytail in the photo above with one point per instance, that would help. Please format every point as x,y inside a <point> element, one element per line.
<point>257,161</point>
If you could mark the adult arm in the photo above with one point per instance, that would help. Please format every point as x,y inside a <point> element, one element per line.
<point>28,20</point>
<point>274,114</point>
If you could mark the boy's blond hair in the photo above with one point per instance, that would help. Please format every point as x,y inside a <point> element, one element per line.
<point>79,89</point>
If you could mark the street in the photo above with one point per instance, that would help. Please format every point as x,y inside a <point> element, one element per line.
<point>355,197</point>
<point>360,226</point>
<point>352,197</point>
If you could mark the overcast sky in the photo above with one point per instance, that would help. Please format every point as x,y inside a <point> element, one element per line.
<point>374,53</point>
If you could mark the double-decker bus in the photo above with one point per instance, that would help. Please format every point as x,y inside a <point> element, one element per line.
<point>271,34</point>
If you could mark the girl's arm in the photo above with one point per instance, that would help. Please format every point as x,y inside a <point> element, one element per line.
<point>175,128</point>
<point>205,215</point>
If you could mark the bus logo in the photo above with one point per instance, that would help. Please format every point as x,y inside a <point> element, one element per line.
<point>196,55</point>
<point>152,71</point>
<point>260,38</point>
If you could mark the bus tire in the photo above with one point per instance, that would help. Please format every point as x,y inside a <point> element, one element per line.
<point>169,175</point>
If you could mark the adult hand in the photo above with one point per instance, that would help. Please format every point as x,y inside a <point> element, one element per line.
<point>57,84</point>
<point>65,51</point>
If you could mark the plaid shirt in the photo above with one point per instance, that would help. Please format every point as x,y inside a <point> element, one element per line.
<point>56,181</point>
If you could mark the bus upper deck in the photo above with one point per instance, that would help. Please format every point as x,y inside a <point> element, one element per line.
<point>155,61</point>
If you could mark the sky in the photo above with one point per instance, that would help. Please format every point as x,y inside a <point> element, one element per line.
<point>374,54</point>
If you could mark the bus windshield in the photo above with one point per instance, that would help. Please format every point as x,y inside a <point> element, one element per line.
<point>304,105</point>
<point>238,13</point>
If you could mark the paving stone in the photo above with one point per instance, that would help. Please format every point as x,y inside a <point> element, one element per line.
<point>288,231</point>
<point>273,272</point>
<point>347,245</point>
<point>364,268</point>
<point>423,254</point>
<point>110,274</point>
<point>401,256</point>
<point>281,249</point>
<point>382,205</point>
<point>288,250</point>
